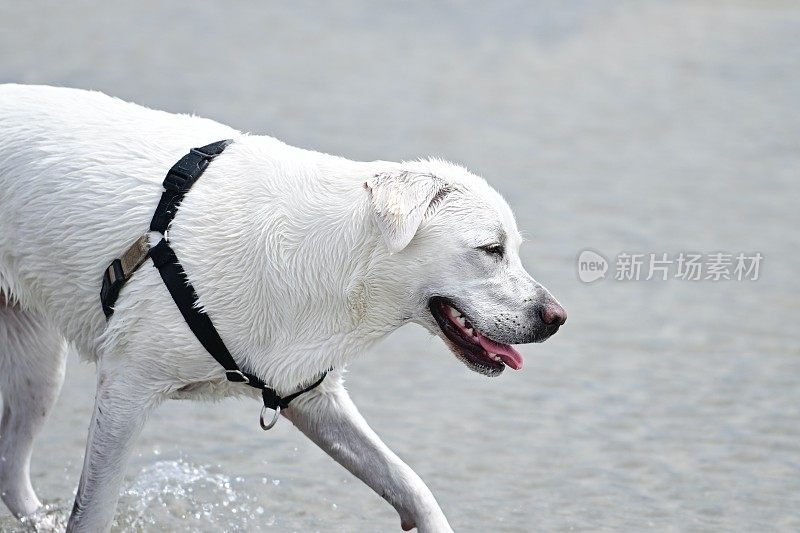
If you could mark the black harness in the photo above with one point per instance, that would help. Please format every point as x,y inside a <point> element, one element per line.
<point>179,180</point>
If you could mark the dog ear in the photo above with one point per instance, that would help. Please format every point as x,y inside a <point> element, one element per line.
<point>399,202</point>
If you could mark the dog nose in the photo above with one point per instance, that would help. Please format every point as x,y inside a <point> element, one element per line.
<point>553,314</point>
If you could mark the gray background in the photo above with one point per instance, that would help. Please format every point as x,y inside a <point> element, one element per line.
<point>641,126</point>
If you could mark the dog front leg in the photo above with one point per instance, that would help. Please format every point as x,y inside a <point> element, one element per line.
<point>328,417</point>
<point>122,404</point>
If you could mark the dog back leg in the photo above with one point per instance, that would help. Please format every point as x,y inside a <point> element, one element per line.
<point>32,357</point>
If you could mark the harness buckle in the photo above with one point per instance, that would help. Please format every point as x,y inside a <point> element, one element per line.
<point>119,271</point>
<point>269,425</point>
<point>237,376</point>
<point>185,172</point>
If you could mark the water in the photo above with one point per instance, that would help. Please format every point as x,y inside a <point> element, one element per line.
<point>616,126</point>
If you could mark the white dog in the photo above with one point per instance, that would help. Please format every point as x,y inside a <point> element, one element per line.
<point>301,259</point>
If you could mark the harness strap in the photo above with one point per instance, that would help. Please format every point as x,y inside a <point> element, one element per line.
<point>185,297</point>
<point>179,180</point>
<point>273,401</point>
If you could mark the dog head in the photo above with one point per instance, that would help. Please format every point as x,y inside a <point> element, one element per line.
<point>454,258</point>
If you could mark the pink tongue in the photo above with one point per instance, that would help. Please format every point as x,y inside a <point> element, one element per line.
<point>509,355</point>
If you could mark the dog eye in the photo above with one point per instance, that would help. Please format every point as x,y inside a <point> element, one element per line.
<point>493,249</point>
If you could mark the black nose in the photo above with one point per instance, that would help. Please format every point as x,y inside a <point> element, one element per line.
<point>553,314</point>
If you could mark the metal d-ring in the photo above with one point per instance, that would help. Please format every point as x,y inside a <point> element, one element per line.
<point>274,420</point>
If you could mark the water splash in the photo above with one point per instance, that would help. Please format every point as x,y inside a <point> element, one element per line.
<point>187,497</point>
<point>174,495</point>
<point>51,517</point>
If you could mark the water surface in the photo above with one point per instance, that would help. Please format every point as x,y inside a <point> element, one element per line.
<point>617,126</point>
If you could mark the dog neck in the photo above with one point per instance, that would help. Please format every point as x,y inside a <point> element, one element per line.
<point>301,288</point>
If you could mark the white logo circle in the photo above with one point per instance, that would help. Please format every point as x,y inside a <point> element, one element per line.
<point>591,266</point>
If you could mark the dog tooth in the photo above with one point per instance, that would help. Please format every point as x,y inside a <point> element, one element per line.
<point>469,331</point>
<point>461,320</point>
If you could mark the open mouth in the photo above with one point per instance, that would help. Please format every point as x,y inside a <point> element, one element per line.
<point>478,351</point>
